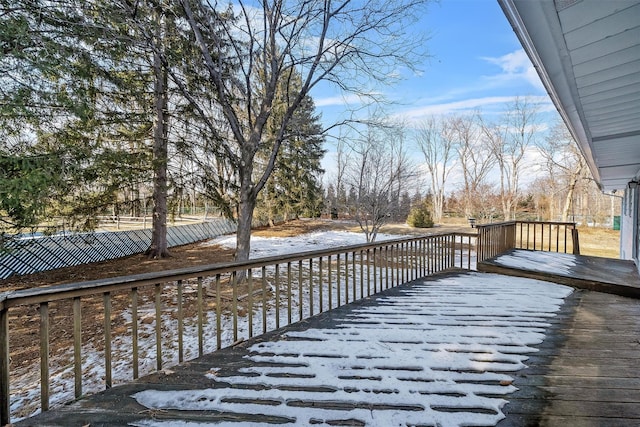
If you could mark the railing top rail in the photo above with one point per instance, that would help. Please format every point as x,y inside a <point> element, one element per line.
<point>92,287</point>
<point>516,222</point>
<point>547,222</point>
<point>495,224</point>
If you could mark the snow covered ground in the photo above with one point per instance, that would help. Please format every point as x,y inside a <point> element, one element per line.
<point>273,246</point>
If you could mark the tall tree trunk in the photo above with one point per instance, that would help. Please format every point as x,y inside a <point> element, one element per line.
<point>159,245</point>
<point>246,207</point>
<point>245,216</point>
<point>438,205</point>
<point>569,199</point>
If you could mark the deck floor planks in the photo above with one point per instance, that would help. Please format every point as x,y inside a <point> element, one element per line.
<point>615,276</point>
<point>593,379</point>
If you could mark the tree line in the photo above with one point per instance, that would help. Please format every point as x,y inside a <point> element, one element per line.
<point>470,165</point>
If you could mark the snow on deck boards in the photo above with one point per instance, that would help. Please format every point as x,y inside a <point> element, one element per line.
<point>615,276</point>
<point>440,351</point>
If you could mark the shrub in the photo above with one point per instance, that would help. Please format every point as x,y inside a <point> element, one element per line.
<point>420,217</point>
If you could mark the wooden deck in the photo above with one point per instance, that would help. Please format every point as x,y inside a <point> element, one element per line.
<point>615,276</point>
<point>585,373</point>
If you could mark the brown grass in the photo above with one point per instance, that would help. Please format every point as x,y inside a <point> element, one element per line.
<point>598,241</point>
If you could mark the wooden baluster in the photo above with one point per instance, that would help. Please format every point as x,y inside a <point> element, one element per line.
<point>77,347</point>
<point>44,356</point>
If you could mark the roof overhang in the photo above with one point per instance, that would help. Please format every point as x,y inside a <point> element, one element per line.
<point>587,54</point>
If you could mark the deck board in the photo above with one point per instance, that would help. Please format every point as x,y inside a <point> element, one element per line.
<point>593,379</point>
<point>615,276</point>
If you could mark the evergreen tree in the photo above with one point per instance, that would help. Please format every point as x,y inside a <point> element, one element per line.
<point>403,207</point>
<point>294,187</point>
<point>330,201</point>
<point>60,101</point>
<point>420,215</point>
<point>103,88</point>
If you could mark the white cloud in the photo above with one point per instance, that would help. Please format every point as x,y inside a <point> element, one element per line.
<point>352,99</point>
<point>515,66</point>
<point>511,63</point>
<point>468,105</point>
<point>455,106</point>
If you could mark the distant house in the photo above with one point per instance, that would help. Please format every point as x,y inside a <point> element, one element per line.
<point>587,53</point>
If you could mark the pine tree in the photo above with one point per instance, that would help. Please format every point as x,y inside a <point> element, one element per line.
<point>87,84</point>
<point>404,207</point>
<point>294,188</point>
<point>59,100</point>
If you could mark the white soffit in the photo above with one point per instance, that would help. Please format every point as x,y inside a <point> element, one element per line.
<point>587,53</point>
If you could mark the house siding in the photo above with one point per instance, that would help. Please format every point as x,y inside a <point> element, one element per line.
<point>629,224</point>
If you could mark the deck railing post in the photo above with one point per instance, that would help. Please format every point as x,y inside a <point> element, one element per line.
<point>321,285</point>
<point>44,356</point>
<point>106,298</point>
<point>4,367</point>
<point>575,241</point>
<point>452,262</point>
<point>77,347</point>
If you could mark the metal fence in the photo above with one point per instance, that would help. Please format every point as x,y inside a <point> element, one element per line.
<point>41,253</point>
<point>137,324</point>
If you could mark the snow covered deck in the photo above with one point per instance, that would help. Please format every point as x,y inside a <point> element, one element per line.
<point>615,276</point>
<point>450,350</point>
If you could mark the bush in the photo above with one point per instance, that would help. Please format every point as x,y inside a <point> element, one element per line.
<point>420,217</point>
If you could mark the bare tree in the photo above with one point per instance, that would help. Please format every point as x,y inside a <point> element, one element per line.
<point>342,42</point>
<point>475,158</point>
<point>380,168</point>
<point>509,140</point>
<point>342,160</point>
<point>436,139</point>
<point>564,162</point>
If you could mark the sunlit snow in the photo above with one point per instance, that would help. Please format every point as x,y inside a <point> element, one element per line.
<point>546,262</point>
<point>315,241</point>
<point>440,353</point>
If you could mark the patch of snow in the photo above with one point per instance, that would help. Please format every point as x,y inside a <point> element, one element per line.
<point>440,353</point>
<point>315,241</point>
<point>546,262</point>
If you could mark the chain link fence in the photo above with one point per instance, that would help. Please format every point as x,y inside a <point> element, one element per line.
<point>41,253</point>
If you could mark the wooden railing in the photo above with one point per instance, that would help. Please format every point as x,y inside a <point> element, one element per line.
<point>497,238</point>
<point>548,236</point>
<point>137,324</point>
<point>494,239</point>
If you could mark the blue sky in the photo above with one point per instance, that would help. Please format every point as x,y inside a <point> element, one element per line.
<point>476,62</point>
